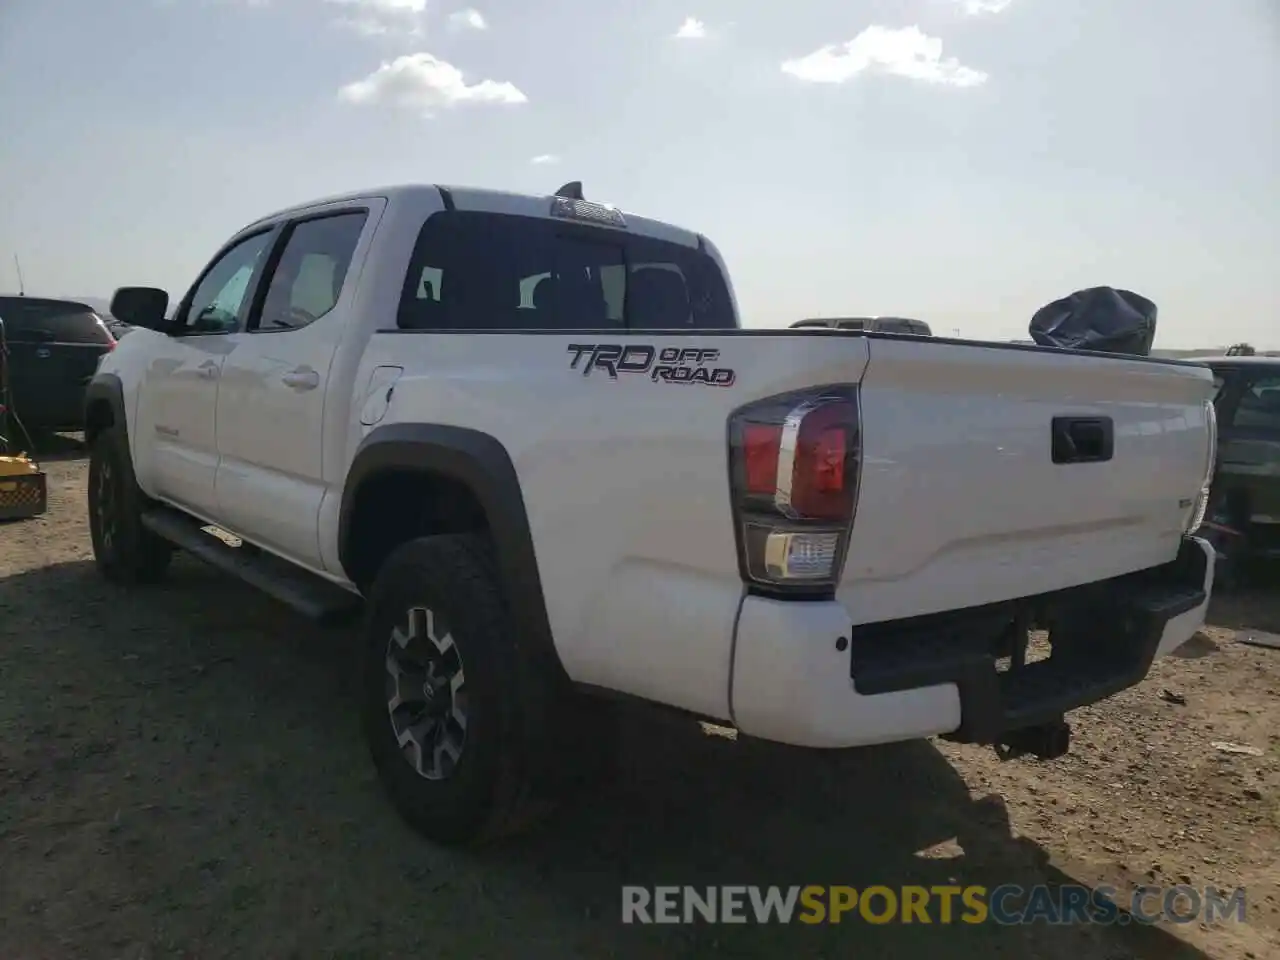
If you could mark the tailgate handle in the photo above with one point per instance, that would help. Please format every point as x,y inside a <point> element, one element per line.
<point>1083,439</point>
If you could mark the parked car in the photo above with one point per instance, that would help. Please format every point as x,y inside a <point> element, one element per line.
<point>1247,484</point>
<point>868,324</point>
<point>608,487</point>
<point>53,350</point>
<point>117,328</point>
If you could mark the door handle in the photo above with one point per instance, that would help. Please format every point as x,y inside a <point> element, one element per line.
<point>303,378</point>
<point>1082,439</point>
<point>207,370</point>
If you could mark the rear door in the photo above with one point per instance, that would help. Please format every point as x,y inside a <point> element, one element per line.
<point>53,351</point>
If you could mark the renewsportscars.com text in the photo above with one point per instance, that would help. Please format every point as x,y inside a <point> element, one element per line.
<point>1006,905</point>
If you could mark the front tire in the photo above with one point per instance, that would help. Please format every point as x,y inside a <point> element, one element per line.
<point>441,701</point>
<point>125,551</point>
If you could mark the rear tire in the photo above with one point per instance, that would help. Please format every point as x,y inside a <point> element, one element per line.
<point>455,758</point>
<point>125,551</point>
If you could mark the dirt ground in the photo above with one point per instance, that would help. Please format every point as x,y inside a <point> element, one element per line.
<point>182,774</point>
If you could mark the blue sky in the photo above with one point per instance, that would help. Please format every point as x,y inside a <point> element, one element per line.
<point>961,161</point>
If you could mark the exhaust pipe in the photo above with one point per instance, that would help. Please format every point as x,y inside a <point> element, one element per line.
<point>1046,741</point>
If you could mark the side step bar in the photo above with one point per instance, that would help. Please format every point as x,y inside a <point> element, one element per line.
<point>308,594</point>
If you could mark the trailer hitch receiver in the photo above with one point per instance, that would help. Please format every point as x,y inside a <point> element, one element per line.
<point>1045,741</point>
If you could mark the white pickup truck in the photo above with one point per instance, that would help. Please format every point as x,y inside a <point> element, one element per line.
<point>527,439</point>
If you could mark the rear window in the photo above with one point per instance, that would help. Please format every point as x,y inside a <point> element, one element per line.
<point>28,320</point>
<point>473,270</point>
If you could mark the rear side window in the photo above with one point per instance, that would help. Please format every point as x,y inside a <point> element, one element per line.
<point>308,276</point>
<point>473,270</point>
<point>28,320</point>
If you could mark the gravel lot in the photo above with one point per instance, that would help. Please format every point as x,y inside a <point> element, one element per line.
<point>182,774</point>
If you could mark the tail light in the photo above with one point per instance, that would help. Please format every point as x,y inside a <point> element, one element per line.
<point>795,461</point>
<point>1211,464</point>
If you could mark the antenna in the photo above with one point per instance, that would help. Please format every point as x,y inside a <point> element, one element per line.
<point>571,190</point>
<point>22,290</point>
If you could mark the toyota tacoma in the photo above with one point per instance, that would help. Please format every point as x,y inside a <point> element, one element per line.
<point>526,440</point>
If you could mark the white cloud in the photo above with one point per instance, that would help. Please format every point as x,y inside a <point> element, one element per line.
<point>387,7</point>
<point>904,52</point>
<point>544,159</point>
<point>469,19</point>
<point>365,26</point>
<point>375,18</point>
<point>975,8</point>
<point>419,81</point>
<point>691,29</point>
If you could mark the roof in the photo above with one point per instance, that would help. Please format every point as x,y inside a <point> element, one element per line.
<point>481,198</point>
<point>21,299</point>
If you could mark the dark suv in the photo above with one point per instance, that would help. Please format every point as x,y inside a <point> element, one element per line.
<point>51,350</point>
<point>1247,482</point>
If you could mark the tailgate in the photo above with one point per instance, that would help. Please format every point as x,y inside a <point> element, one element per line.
<point>49,379</point>
<point>961,501</point>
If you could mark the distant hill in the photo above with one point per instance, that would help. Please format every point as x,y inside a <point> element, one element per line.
<point>102,305</point>
<point>1208,351</point>
<point>1172,354</point>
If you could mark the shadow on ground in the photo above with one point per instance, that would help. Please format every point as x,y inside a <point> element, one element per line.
<point>58,447</point>
<point>1253,604</point>
<point>181,771</point>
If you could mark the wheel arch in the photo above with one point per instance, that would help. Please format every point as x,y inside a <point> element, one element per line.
<point>104,409</point>
<point>479,463</point>
<point>104,406</point>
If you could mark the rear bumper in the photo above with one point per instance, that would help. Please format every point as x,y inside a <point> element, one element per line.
<point>792,681</point>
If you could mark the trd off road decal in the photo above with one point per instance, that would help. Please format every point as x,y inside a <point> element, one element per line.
<point>662,364</point>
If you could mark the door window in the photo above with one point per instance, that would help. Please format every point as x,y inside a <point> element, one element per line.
<point>307,280</point>
<point>220,300</point>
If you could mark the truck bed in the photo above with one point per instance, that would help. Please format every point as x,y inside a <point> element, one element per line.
<point>626,477</point>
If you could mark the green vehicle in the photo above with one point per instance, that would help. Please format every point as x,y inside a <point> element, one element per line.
<point>1247,482</point>
<point>916,328</point>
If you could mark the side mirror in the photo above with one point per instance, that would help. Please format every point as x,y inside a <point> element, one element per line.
<point>141,307</point>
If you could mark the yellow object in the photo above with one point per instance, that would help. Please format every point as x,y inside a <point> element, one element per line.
<point>19,466</point>
<point>23,492</point>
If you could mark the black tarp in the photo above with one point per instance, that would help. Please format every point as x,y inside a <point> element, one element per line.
<point>1100,318</point>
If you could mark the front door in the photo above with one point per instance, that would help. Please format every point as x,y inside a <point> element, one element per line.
<point>271,401</point>
<point>175,435</point>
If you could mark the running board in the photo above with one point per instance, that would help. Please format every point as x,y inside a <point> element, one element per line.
<point>313,597</point>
